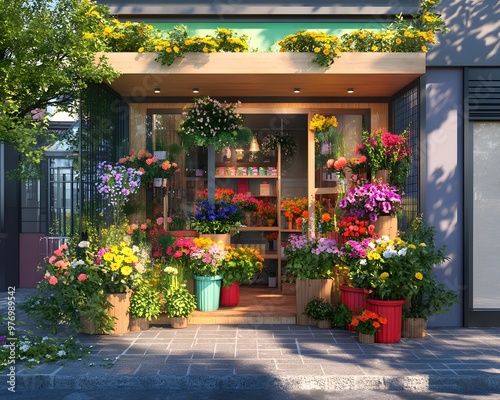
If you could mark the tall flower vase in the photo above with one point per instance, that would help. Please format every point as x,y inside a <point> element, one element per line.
<point>383,175</point>
<point>307,290</point>
<point>393,311</point>
<point>120,303</point>
<point>208,292</point>
<point>290,224</point>
<point>386,225</point>
<point>230,296</point>
<point>354,299</point>
<point>414,328</point>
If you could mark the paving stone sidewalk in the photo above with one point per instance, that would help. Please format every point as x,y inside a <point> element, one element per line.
<point>292,357</point>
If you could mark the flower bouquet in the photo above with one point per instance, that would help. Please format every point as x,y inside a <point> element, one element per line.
<point>371,201</point>
<point>293,207</point>
<point>353,228</point>
<point>267,210</point>
<point>210,122</point>
<point>216,218</point>
<point>328,141</point>
<point>246,202</point>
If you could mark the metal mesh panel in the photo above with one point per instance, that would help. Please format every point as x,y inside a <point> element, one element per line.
<point>406,117</point>
<point>104,137</point>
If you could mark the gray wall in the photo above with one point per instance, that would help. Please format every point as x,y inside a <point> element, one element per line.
<point>474,38</point>
<point>444,189</point>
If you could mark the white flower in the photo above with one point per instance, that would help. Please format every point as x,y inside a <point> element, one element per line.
<point>61,353</point>
<point>24,347</point>
<point>362,261</point>
<point>45,338</point>
<point>402,252</point>
<point>171,270</point>
<point>84,244</point>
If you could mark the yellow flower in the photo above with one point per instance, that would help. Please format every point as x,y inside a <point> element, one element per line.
<point>108,257</point>
<point>115,267</point>
<point>412,246</point>
<point>384,275</point>
<point>424,49</point>
<point>317,49</point>
<point>374,48</point>
<point>419,276</point>
<point>141,49</point>
<point>398,41</point>
<point>126,270</point>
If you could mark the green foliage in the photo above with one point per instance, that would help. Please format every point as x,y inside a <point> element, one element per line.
<point>145,302</point>
<point>179,302</point>
<point>35,350</point>
<point>319,309</point>
<point>45,60</point>
<point>178,42</point>
<point>341,316</point>
<point>240,265</point>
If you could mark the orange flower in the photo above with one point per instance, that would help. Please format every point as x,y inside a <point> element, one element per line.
<point>326,217</point>
<point>305,214</point>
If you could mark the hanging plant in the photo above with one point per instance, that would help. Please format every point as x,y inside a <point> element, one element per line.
<point>211,122</point>
<point>279,138</point>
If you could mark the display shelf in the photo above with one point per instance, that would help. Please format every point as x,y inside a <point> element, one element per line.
<point>264,177</point>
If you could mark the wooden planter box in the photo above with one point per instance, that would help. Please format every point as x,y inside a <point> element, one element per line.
<point>308,290</point>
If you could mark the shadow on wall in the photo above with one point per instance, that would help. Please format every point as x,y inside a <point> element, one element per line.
<point>474,34</point>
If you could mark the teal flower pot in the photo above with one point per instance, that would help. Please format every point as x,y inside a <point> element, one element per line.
<point>208,292</point>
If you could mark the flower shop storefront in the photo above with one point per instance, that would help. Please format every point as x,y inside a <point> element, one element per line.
<point>157,95</point>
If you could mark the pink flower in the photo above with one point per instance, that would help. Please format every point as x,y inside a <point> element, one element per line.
<point>52,259</point>
<point>53,280</point>
<point>58,252</point>
<point>61,264</point>
<point>159,220</point>
<point>144,227</point>
<point>178,254</point>
<point>82,277</point>
<point>64,247</point>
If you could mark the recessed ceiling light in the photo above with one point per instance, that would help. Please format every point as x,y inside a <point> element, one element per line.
<point>296,90</point>
<point>196,90</point>
<point>350,90</point>
<point>157,90</point>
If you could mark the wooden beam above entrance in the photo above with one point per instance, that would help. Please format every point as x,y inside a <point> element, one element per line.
<point>265,75</point>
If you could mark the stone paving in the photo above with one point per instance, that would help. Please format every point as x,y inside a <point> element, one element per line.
<point>462,360</point>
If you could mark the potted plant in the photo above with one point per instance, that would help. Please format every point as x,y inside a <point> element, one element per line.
<point>268,211</point>
<point>206,258</point>
<point>149,166</point>
<point>212,123</point>
<point>145,304</point>
<point>282,139</point>
<point>179,304</point>
<point>312,262</point>
<point>217,218</point>
<point>367,323</point>
<point>321,311</point>
<point>239,265</point>
<point>379,203</point>
<point>287,283</point>
<point>432,298</point>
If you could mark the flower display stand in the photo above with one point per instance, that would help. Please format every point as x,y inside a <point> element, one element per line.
<point>208,292</point>
<point>354,299</point>
<point>219,237</point>
<point>413,328</point>
<point>393,311</point>
<point>366,338</point>
<point>230,296</point>
<point>386,225</point>
<point>307,290</point>
<point>120,303</point>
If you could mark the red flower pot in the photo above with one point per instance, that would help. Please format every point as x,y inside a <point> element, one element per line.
<point>393,311</point>
<point>353,299</point>
<point>230,296</point>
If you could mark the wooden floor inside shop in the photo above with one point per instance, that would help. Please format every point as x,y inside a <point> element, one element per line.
<point>258,305</point>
